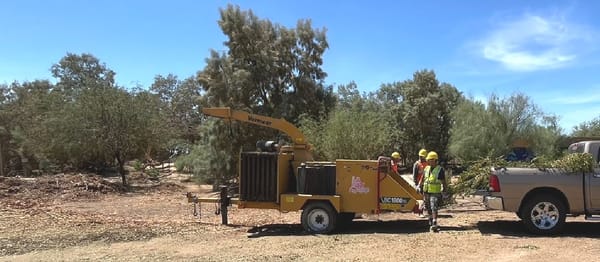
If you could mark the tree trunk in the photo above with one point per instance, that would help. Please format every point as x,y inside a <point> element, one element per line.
<point>1,160</point>
<point>122,170</point>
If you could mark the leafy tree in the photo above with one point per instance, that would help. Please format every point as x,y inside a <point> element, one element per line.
<point>588,128</point>
<point>548,137</point>
<point>489,131</point>
<point>99,123</point>
<point>356,129</point>
<point>471,120</point>
<point>130,126</point>
<point>268,70</point>
<point>152,129</point>
<point>180,104</point>
<point>25,107</point>
<point>276,71</point>
<point>4,127</point>
<point>420,110</point>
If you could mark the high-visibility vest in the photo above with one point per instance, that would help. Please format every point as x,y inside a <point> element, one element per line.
<point>432,184</point>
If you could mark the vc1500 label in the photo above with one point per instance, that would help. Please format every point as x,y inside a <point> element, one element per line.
<point>394,200</point>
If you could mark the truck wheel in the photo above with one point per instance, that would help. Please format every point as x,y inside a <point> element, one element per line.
<point>544,214</point>
<point>319,218</point>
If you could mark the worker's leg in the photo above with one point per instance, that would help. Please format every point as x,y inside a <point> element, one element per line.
<point>434,203</point>
<point>422,209</point>
<point>427,204</point>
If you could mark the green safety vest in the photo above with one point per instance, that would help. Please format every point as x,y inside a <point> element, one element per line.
<point>431,183</point>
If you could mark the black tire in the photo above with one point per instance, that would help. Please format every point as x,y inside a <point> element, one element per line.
<point>344,220</point>
<point>544,214</point>
<point>319,218</point>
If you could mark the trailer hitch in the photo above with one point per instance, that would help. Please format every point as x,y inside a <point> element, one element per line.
<point>221,209</point>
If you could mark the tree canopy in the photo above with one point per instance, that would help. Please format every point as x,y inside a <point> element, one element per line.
<point>490,130</point>
<point>589,128</point>
<point>420,110</point>
<point>267,69</point>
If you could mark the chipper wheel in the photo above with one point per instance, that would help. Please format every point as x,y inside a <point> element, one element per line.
<point>319,218</point>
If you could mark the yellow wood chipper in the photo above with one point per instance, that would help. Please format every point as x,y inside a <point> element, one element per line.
<point>287,178</point>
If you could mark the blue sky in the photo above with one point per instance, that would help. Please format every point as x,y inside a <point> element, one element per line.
<point>548,50</point>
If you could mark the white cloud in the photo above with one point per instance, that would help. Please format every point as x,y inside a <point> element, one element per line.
<point>534,42</point>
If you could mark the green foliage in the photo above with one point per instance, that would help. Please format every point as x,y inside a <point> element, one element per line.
<point>588,128</point>
<point>192,163</point>
<point>547,137</point>
<point>356,129</point>
<point>419,111</point>
<point>153,173</point>
<point>268,70</point>
<point>138,165</point>
<point>349,134</point>
<point>84,121</point>
<point>490,130</point>
<point>575,163</point>
<point>24,109</point>
<point>476,177</point>
<point>180,105</point>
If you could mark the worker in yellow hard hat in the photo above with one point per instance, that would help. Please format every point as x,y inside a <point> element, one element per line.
<point>418,169</point>
<point>419,166</point>
<point>396,161</point>
<point>433,185</point>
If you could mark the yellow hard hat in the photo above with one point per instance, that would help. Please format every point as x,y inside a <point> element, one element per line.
<point>431,155</point>
<point>395,155</point>
<point>423,152</point>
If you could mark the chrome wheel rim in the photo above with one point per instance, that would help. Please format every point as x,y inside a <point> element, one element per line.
<point>545,215</point>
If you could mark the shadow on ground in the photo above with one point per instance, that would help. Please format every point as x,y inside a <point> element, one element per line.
<point>359,226</point>
<point>515,228</point>
<point>507,228</point>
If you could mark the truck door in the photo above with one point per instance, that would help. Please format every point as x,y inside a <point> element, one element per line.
<point>594,190</point>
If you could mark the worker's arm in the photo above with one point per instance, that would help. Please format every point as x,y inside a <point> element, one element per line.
<point>442,176</point>
<point>415,172</point>
<point>420,185</point>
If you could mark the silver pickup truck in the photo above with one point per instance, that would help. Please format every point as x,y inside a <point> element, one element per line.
<point>542,198</point>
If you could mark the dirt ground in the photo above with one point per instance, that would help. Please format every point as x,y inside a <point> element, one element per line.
<point>84,217</point>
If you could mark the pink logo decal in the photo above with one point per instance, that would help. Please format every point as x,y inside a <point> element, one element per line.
<point>358,186</point>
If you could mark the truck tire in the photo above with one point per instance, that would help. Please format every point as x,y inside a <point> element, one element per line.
<point>544,214</point>
<point>319,218</point>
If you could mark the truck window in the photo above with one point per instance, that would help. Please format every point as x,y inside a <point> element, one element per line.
<point>576,148</point>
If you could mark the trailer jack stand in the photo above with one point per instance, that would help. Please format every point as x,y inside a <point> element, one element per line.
<point>224,202</point>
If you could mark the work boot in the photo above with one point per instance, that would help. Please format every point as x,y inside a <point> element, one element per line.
<point>432,229</point>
